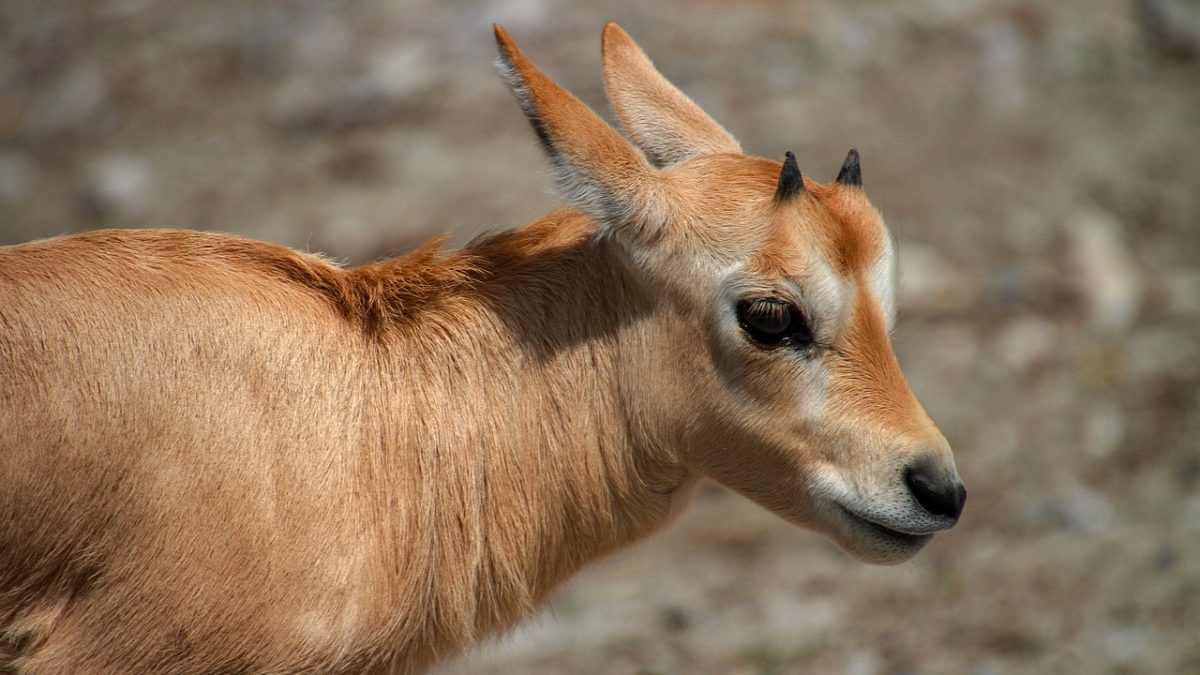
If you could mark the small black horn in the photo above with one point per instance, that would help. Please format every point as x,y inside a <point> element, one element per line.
<point>791,183</point>
<point>851,173</point>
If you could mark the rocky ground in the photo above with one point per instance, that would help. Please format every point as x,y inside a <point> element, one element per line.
<point>1037,162</point>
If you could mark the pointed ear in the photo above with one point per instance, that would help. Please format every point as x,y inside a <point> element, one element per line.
<point>595,168</point>
<point>661,120</point>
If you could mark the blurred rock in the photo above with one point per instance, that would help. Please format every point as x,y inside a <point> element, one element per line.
<point>1190,511</point>
<point>298,102</point>
<point>1127,645</point>
<point>1162,352</point>
<point>1026,341</point>
<point>1179,292</point>
<point>931,284</point>
<point>1003,52</point>
<point>1103,430</point>
<point>401,71</point>
<point>1076,507</point>
<point>989,666</point>
<point>1105,275</point>
<point>1172,27</point>
<point>72,104</point>
<point>325,42</point>
<point>862,662</point>
<point>675,619</point>
<point>355,162</point>
<point>116,185</point>
<point>1030,232</point>
<point>17,176</point>
<point>956,346</point>
<point>393,87</point>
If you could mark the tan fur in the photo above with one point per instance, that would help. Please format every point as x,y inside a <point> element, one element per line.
<point>222,455</point>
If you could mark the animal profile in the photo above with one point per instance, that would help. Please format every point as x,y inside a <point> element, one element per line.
<point>221,455</point>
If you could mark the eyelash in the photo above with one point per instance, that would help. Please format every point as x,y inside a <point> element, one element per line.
<point>771,323</point>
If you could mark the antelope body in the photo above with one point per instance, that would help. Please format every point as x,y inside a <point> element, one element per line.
<point>219,455</point>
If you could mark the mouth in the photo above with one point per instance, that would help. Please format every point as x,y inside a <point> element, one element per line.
<point>875,530</point>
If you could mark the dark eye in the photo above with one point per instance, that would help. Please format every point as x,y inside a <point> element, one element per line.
<point>774,323</point>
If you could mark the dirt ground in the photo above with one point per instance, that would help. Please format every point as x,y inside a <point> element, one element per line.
<point>1037,162</point>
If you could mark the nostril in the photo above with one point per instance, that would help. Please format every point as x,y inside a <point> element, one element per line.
<point>935,492</point>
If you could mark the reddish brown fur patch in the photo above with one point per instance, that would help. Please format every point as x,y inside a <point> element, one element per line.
<point>838,224</point>
<point>852,228</point>
<point>396,290</point>
<point>721,204</point>
<point>372,296</point>
<point>835,221</point>
<point>870,390</point>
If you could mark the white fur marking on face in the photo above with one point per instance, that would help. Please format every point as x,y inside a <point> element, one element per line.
<point>882,280</point>
<point>830,484</point>
<point>829,297</point>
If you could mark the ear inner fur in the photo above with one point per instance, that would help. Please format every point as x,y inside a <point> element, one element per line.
<point>660,119</point>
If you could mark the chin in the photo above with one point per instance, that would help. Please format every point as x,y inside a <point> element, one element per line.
<point>890,551</point>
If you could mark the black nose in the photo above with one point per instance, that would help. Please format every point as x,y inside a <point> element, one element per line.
<point>939,493</point>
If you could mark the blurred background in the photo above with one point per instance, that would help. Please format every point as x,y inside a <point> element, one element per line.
<point>1037,162</point>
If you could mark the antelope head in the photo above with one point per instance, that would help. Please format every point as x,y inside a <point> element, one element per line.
<point>781,381</point>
